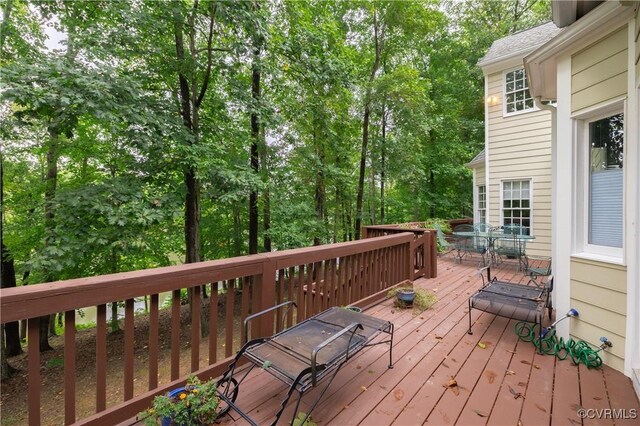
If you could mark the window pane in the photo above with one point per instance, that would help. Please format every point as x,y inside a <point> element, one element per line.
<point>510,108</point>
<point>510,76</point>
<point>528,103</point>
<point>606,139</point>
<point>519,85</point>
<point>509,87</point>
<point>519,106</point>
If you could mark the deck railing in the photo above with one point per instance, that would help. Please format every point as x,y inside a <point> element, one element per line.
<point>314,277</point>
<point>425,247</point>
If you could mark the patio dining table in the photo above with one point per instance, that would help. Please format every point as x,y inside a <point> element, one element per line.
<point>495,235</point>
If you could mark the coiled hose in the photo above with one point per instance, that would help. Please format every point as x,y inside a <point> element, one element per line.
<point>548,343</point>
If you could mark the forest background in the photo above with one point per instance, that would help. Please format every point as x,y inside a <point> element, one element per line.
<point>168,132</point>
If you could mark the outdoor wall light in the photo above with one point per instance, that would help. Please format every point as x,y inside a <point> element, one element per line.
<point>492,100</point>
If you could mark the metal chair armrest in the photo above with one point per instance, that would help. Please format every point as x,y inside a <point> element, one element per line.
<point>353,327</point>
<point>258,314</point>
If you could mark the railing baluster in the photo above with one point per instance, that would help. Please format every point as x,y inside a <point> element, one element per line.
<point>319,294</point>
<point>153,341</point>
<point>33,363</point>
<point>244,305</point>
<point>128,349</point>
<point>300,315</point>
<point>292,276</point>
<point>69,367</point>
<point>101,358</point>
<point>309,283</point>
<point>280,299</point>
<point>213,324</point>
<point>195,328</point>
<point>175,334</point>
<point>325,285</point>
<point>228,350</point>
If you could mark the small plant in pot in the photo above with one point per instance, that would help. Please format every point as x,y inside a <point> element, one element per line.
<point>407,296</point>
<point>197,403</point>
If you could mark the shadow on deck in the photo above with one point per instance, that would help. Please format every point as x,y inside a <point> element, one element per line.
<point>501,382</point>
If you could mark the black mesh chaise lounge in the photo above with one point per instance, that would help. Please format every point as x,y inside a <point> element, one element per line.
<point>305,355</point>
<point>512,300</point>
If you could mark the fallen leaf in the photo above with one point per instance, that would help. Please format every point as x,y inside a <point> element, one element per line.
<point>453,359</point>
<point>445,365</point>
<point>519,422</point>
<point>574,422</point>
<point>523,384</point>
<point>370,371</point>
<point>364,388</point>
<point>512,352</point>
<point>482,345</point>
<point>537,367</point>
<point>515,394</point>
<point>541,408</point>
<point>358,367</point>
<point>455,390</point>
<point>597,398</point>
<point>524,361</point>
<point>510,373</point>
<point>451,382</point>
<point>491,376</point>
<point>481,413</point>
<point>438,337</point>
<point>398,394</point>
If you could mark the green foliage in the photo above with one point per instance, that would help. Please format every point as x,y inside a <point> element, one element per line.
<point>104,105</point>
<point>196,405</point>
<point>303,420</point>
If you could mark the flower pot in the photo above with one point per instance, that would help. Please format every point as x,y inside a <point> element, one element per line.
<point>354,309</point>
<point>168,421</point>
<point>406,295</point>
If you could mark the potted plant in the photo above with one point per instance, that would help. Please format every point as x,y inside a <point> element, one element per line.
<point>406,295</point>
<point>196,403</point>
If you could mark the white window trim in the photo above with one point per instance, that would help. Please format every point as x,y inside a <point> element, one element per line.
<point>477,197</point>
<point>531,212</point>
<point>614,255</point>
<point>504,95</point>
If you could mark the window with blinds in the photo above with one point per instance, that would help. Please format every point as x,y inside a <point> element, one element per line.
<point>606,177</point>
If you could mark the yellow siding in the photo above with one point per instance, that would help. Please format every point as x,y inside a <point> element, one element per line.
<point>519,147</point>
<point>637,38</point>
<point>480,175</point>
<point>599,72</point>
<point>598,292</point>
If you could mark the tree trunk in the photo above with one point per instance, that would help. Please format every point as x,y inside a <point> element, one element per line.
<point>8,277</point>
<point>237,243</point>
<point>255,140</point>
<point>51,182</point>
<point>379,43</point>
<point>320,185</point>
<point>383,155</point>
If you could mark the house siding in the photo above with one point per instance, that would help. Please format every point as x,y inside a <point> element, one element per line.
<point>599,72</point>
<point>599,289</point>
<point>637,42</point>
<point>598,292</point>
<point>519,147</point>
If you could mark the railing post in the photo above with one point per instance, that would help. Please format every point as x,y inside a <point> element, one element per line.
<point>264,292</point>
<point>409,260</point>
<point>433,254</point>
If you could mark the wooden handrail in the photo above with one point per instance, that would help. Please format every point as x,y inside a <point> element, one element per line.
<point>315,277</point>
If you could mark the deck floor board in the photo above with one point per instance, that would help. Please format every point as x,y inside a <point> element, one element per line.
<point>504,382</point>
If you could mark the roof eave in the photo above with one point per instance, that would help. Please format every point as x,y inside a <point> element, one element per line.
<point>541,64</point>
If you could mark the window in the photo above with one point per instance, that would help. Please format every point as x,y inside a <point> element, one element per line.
<point>516,92</point>
<point>482,204</point>
<point>516,204</point>
<point>605,180</point>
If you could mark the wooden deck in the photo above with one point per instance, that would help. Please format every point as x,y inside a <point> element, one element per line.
<point>501,382</point>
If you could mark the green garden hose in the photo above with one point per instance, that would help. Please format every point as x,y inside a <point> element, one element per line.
<point>548,343</point>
